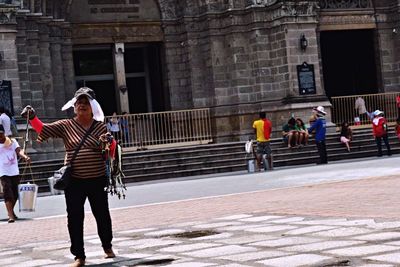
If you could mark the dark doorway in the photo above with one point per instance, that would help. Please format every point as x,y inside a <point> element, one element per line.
<point>94,68</point>
<point>144,78</point>
<point>348,62</point>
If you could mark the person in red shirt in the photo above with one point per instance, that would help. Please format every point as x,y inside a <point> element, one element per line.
<point>397,128</point>
<point>379,129</point>
<point>263,129</point>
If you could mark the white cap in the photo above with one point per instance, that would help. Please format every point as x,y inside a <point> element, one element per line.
<point>320,109</point>
<point>377,112</point>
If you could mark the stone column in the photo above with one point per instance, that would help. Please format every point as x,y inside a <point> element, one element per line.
<point>21,45</point>
<point>46,67</point>
<point>8,53</point>
<point>177,64</point>
<point>68,62</point>
<point>57,67</point>
<point>34,68</point>
<point>120,79</point>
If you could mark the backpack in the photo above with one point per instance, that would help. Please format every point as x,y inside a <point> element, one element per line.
<point>13,127</point>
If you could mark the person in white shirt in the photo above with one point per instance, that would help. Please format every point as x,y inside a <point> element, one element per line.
<point>9,171</point>
<point>5,121</point>
<point>113,126</point>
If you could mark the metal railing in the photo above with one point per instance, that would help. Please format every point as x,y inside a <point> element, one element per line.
<point>161,129</point>
<point>344,108</point>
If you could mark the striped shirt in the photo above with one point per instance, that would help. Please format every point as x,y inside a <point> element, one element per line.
<point>89,162</point>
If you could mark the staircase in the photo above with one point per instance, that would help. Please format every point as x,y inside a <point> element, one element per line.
<point>220,158</point>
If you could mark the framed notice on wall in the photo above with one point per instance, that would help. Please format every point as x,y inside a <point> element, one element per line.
<point>6,95</point>
<point>305,75</point>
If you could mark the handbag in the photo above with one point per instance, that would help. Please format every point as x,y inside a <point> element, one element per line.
<point>66,171</point>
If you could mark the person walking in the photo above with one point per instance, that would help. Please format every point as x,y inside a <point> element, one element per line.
<point>9,171</point>
<point>5,120</point>
<point>379,130</point>
<point>263,128</point>
<point>88,169</point>
<point>361,110</point>
<point>320,131</point>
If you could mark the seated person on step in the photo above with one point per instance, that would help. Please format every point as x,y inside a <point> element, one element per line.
<point>302,132</point>
<point>289,133</point>
<point>346,135</point>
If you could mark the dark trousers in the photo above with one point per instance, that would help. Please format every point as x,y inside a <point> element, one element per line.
<point>379,145</point>
<point>75,196</point>
<point>322,152</point>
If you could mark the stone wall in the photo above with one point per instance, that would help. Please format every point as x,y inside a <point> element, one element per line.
<point>388,46</point>
<point>8,52</point>
<point>43,69</point>
<point>240,58</point>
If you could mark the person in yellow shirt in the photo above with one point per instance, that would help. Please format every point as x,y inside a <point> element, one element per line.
<point>263,128</point>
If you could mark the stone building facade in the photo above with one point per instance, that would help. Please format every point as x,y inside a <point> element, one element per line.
<point>236,57</point>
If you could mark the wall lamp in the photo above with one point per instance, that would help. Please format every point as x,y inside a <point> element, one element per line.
<point>303,42</point>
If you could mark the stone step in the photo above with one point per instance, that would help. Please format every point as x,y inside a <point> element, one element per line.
<point>218,158</point>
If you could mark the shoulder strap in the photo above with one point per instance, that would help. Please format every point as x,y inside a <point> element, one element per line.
<point>81,143</point>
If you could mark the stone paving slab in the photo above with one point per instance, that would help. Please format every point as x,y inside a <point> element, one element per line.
<point>393,257</point>
<point>285,241</point>
<point>159,246</point>
<point>379,236</point>
<point>337,225</point>
<point>319,246</point>
<point>362,250</point>
<point>295,260</point>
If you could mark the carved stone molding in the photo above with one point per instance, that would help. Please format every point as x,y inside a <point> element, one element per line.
<point>10,2</point>
<point>347,20</point>
<point>262,2</point>
<point>7,15</point>
<point>308,8</point>
<point>345,4</point>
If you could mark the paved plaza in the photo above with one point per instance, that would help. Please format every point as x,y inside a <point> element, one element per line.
<point>343,223</point>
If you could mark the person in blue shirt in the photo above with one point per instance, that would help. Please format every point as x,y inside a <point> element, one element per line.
<point>320,131</point>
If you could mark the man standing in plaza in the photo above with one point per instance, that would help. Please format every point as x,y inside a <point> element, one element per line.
<point>320,131</point>
<point>379,129</point>
<point>263,129</point>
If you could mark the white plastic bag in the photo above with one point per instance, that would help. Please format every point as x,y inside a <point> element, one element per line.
<point>27,197</point>
<point>357,121</point>
<point>249,147</point>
